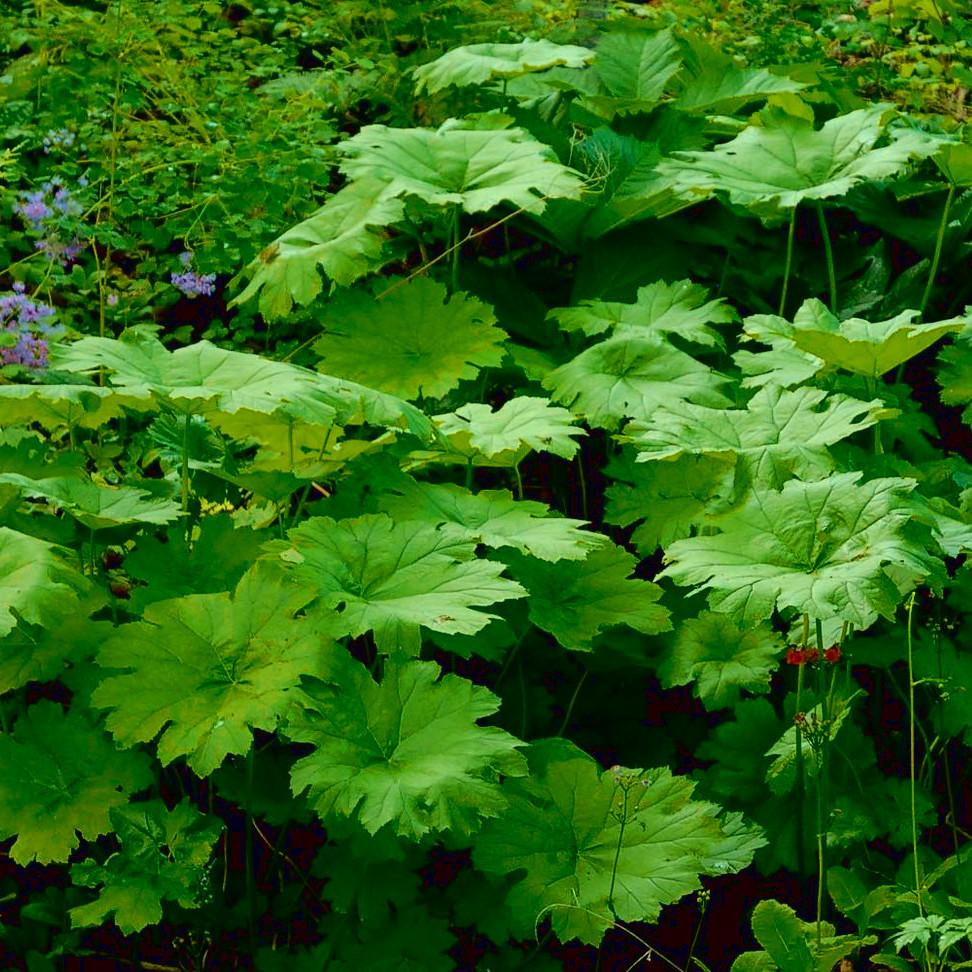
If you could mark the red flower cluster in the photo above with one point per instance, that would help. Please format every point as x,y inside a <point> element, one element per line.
<point>807,656</point>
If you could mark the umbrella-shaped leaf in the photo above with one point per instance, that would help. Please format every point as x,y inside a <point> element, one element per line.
<point>576,862</point>
<point>712,82</point>
<point>476,64</point>
<point>207,669</point>
<point>344,238</point>
<point>955,373</point>
<point>164,856</point>
<point>494,518</point>
<point>204,379</point>
<point>660,308</point>
<point>831,549</point>
<point>66,406</point>
<point>406,752</point>
<point>415,341</point>
<point>667,500</point>
<point>97,507</point>
<point>871,348</point>
<point>720,658</point>
<point>575,602</point>
<point>61,776</point>
<point>633,67</point>
<point>780,434</point>
<point>628,377</point>
<point>785,160</point>
<point>478,435</point>
<point>37,581</point>
<point>394,578</point>
<point>455,166</point>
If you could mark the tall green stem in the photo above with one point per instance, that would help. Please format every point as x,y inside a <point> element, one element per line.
<point>455,250</point>
<point>937,255</point>
<point>823,770</point>
<point>617,851</point>
<point>788,266</point>
<point>799,788</point>
<point>911,755</point>
<point>185,474</point>
<point>829,254</point>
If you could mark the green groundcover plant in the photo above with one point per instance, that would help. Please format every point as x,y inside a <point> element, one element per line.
<point>480,488</point>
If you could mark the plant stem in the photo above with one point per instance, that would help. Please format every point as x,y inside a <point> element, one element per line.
<point>799,788</point>
<point>248,852</point>
<point>937,255</point>
<point>823,769</point>
<point>519,481</point>
<point>572,703</point>
<point>911,754</point>
<point>787,267</point>
<point>454,281</point>
<point>617,851</point>
<point>829,254</point>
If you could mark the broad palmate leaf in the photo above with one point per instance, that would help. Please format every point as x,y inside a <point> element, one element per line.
<point>37,581</point>
<point>478,435</point>
<point>494,518</point>
<point>661,308</point>
<point>667,500</point>
<point>870,348</point>
<point>476,64</point>
<point>97,507</point>
<point>207,669</point>
<point>562,834</point>
<point>394,578</point>
<point>780,434</point>
<point>457,166</point>
<point>164,856</point>
<point>415,341</point>
<point>633,68</point>
<point>61,776</point>
<point>720,658</point>
<point>202,379</point>
<point>576,601</point>
<point>628,377</point>
<point>784,160</point>
<point>344,238</point>
<point>831,549</point>
<point>405,752</point>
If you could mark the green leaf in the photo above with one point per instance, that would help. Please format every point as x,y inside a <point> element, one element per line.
<point>780,434</point>
<point>562,833</point>
<point>826,549</point>
<point>784,161</point>
<point>394,578</point>
<point>668,500</point>
<point>56,407</point>
<point>955,371</point>
<point>37,581</point>
<point>97,507</point>
<point>344,238</point>
<point>206,669</point>
<point>34,654</point>
<point>202,379</point>
<point>634,68</point>
<point>721,658</point>
<point>473,169</point>
<point>577,601</point>
<point>711,82</point>
<point>479,436</point>
<point>406,752</point>
<point>785,364</point>
<point>476,64</point>
<point>870,348</point>
<point>415,342</point>
<point>61,776</point>
<point>781,933</point>
<point>164,856</point>
<point>492,517</point>
<point>660,308</point>
<point>629,377</point>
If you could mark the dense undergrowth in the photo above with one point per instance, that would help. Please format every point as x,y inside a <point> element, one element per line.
<point>485,486</point>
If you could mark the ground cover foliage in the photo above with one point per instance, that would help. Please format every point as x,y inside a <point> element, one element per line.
<point>484,486</point>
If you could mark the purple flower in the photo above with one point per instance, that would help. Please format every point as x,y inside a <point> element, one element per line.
<point>43,211</point>
<point>58,138</point>
<point>25,326</point>
<point>193,284</point>
<point>111,300</point>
